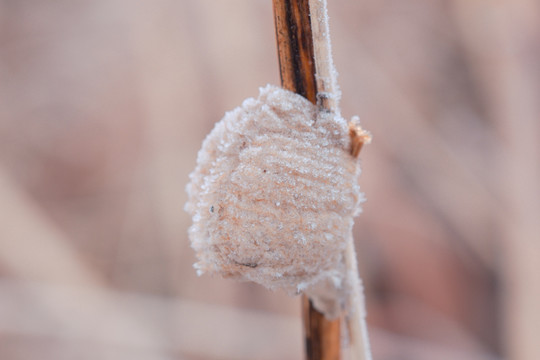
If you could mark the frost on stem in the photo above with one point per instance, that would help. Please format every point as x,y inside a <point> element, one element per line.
<point>273,198</point>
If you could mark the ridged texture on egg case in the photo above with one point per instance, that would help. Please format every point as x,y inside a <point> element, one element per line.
<point>274,194</point>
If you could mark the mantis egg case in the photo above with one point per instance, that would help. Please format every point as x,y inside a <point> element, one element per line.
<point>274,194</point>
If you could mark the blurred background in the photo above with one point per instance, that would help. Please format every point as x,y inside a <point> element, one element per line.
<point>104,105</point>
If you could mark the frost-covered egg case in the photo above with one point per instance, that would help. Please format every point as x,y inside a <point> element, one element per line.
<point>274,194</point>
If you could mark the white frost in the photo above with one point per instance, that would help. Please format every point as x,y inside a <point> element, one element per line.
<point>273,197</point>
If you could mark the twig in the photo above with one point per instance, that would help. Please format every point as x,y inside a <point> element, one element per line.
<point>306,67</point>
<point>297,69</point>
<point>295,47</point>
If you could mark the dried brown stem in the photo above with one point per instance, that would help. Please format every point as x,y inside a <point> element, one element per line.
<point>306,67</point>
<point>295,47</point>
<point>297,69</point>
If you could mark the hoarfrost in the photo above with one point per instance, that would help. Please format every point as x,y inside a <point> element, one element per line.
<point>281,186</point>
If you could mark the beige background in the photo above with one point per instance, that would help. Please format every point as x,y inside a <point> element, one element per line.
<point>104,104</point>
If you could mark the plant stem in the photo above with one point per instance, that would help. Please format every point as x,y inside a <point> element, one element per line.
<point>295,47</point>
<point>297,69</point>
<point>322,336</point>
<point>306,67</point>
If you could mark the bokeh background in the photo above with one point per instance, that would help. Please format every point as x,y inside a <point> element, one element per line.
<point>104,105</point>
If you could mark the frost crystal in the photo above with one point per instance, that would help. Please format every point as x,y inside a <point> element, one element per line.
<point>273,197</point>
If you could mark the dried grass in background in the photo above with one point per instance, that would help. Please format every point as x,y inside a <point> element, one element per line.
<point>104,104</point>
